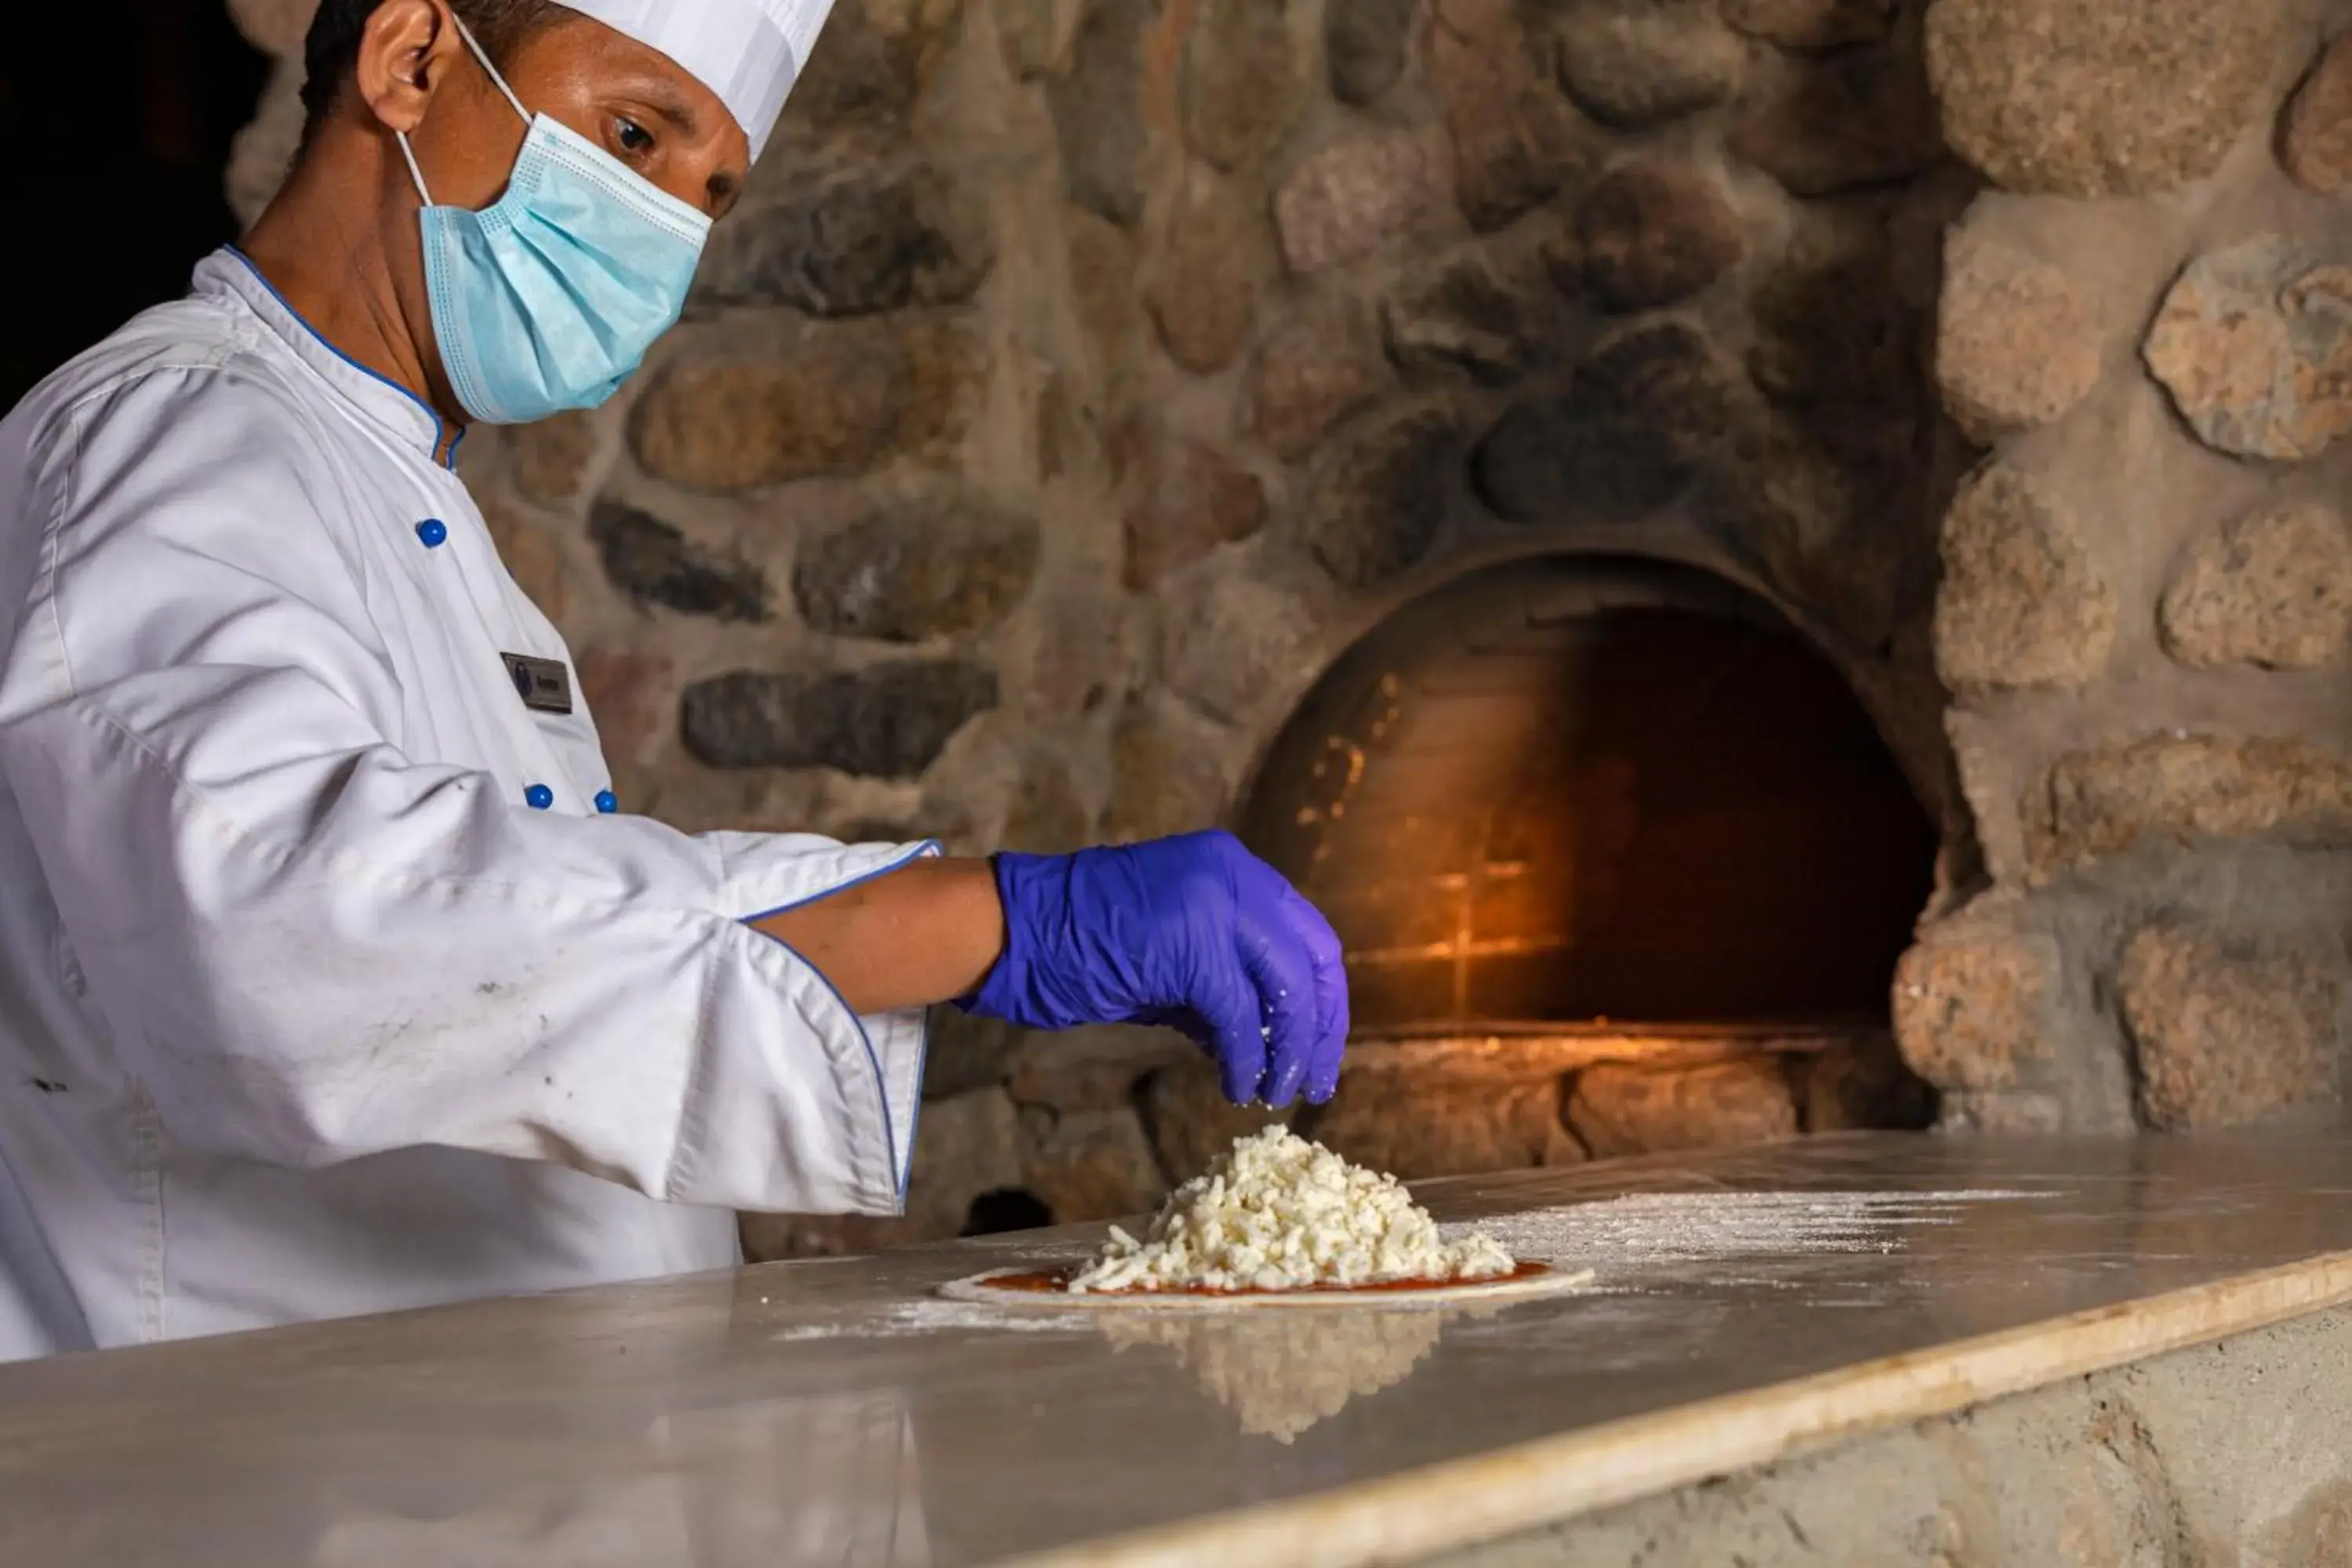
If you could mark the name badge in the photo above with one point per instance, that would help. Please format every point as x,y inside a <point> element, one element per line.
<point>543,684</point>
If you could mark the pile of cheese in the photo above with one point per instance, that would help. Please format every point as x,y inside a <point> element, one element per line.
<point>1278,1212</point>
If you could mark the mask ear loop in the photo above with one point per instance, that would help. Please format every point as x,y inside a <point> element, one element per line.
<point>492,71</point>
<point>415,174</point>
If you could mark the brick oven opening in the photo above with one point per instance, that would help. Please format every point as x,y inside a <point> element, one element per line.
<point>1598,793</point>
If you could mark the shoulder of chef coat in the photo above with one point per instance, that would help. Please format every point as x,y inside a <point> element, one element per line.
<point>172,499</point>
<point>163,486</point>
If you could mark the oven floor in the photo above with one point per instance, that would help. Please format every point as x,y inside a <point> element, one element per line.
<point>1745,1307</point>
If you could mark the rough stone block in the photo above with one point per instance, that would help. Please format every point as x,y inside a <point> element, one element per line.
<point>1973,1005</point>
<point>1314,371</point>
<point>1861,118</point>
<point>1654,234</point>
<point>1235,645</point>
<point>2315,141</point>
<point>1815,516</point>
<point>1188,499</point>
<point>1618,1110</point>
<point>1366,42</point>
<point>1240,85</point>
<point>548,461</point>
<point>1081,659</point>
<point>878,235</point>
<point>2034,1113</point>
<point>1380,494</point>
<point>2021,605</point>
<point>655,563</point>
<point>1165,775</point>
<point>1099,1068</point>
<point>1037,35</point>
<point>2226,1033</point>
<point>1631,432</point>
<point>2177,789</point>
<point>939,565</point>
<point>1346,202</point>
<point>1204,279</point>
<point>1863,1086</point>
<point>1469,314</point>
<point>965,1053</point>
<point>1633,64</point>
<point>1414,1130</point>
<point>2254,343</point>
<point>533,557</point>
<point>634,698</point>
<point>1833,330</point>
<point>963,1147</point>
<point>1090,1164</point>
<point>888,720</point>
<point>871,63</point>
<point>1097,111</point>
<point>1516,140</point>
<point>2085,97</point>
<point>2017,346</point>
<point>2272,588</point>
<point>824,399</point>
<point>1047,816</point>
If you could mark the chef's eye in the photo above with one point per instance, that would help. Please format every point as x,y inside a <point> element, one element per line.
<point>631,136</point>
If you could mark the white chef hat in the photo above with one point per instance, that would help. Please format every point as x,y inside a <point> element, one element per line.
<point>749,52</point>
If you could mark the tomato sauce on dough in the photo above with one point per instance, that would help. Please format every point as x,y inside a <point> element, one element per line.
<point>1056,1282</point>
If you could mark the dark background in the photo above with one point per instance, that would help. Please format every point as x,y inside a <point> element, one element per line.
<point>117,125</point>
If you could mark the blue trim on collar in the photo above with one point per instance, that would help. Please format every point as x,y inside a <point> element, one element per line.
<point>440,426</point>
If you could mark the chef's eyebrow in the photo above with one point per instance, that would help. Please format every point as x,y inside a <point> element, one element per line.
<point>669,103</point>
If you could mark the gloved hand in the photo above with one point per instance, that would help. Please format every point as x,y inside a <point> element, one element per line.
<point>1195,933</point>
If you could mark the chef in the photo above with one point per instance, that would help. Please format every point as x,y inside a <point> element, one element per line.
<point>333,978</point>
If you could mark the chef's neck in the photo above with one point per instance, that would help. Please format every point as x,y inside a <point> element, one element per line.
<point>341,243</point>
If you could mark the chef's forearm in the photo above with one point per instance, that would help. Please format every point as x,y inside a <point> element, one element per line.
<point>928,932</point>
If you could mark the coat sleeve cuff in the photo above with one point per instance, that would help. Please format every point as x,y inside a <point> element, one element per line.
<point>816,1111</point>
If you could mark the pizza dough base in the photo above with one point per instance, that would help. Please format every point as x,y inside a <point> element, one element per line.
<point>976,1289</point>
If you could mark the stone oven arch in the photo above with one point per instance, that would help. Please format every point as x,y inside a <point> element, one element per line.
<point>1576,786</point>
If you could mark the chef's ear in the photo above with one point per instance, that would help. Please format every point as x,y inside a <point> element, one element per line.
<point>409,48</point>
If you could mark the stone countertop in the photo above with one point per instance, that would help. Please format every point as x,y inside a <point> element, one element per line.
<point>1745,1305</point>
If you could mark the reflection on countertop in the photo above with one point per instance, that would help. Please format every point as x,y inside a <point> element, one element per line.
<point>1282,1372</point>
<point>830,1478</point>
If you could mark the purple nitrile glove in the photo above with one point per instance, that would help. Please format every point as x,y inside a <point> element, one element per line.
<point>1195,933</point>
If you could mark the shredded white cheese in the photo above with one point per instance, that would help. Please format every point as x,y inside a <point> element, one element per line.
<point>1278,1212</point>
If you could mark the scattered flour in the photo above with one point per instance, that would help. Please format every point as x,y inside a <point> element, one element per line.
<point>1278,1212</point>
<point>1664,1228</point>
<point>1622,1238</point>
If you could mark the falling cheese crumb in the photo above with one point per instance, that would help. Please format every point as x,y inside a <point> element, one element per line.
<point>1278,1212</point>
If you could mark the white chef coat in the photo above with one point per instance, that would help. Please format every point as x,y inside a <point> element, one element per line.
<point>306,1009</point>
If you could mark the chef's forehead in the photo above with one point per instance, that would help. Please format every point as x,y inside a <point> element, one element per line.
<point>747,52</point>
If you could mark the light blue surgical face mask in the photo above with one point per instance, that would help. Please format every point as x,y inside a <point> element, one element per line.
<point>548,299</point>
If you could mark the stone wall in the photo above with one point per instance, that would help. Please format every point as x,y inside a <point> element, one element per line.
<point>2146,327</point>
<point>1083,376</point>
